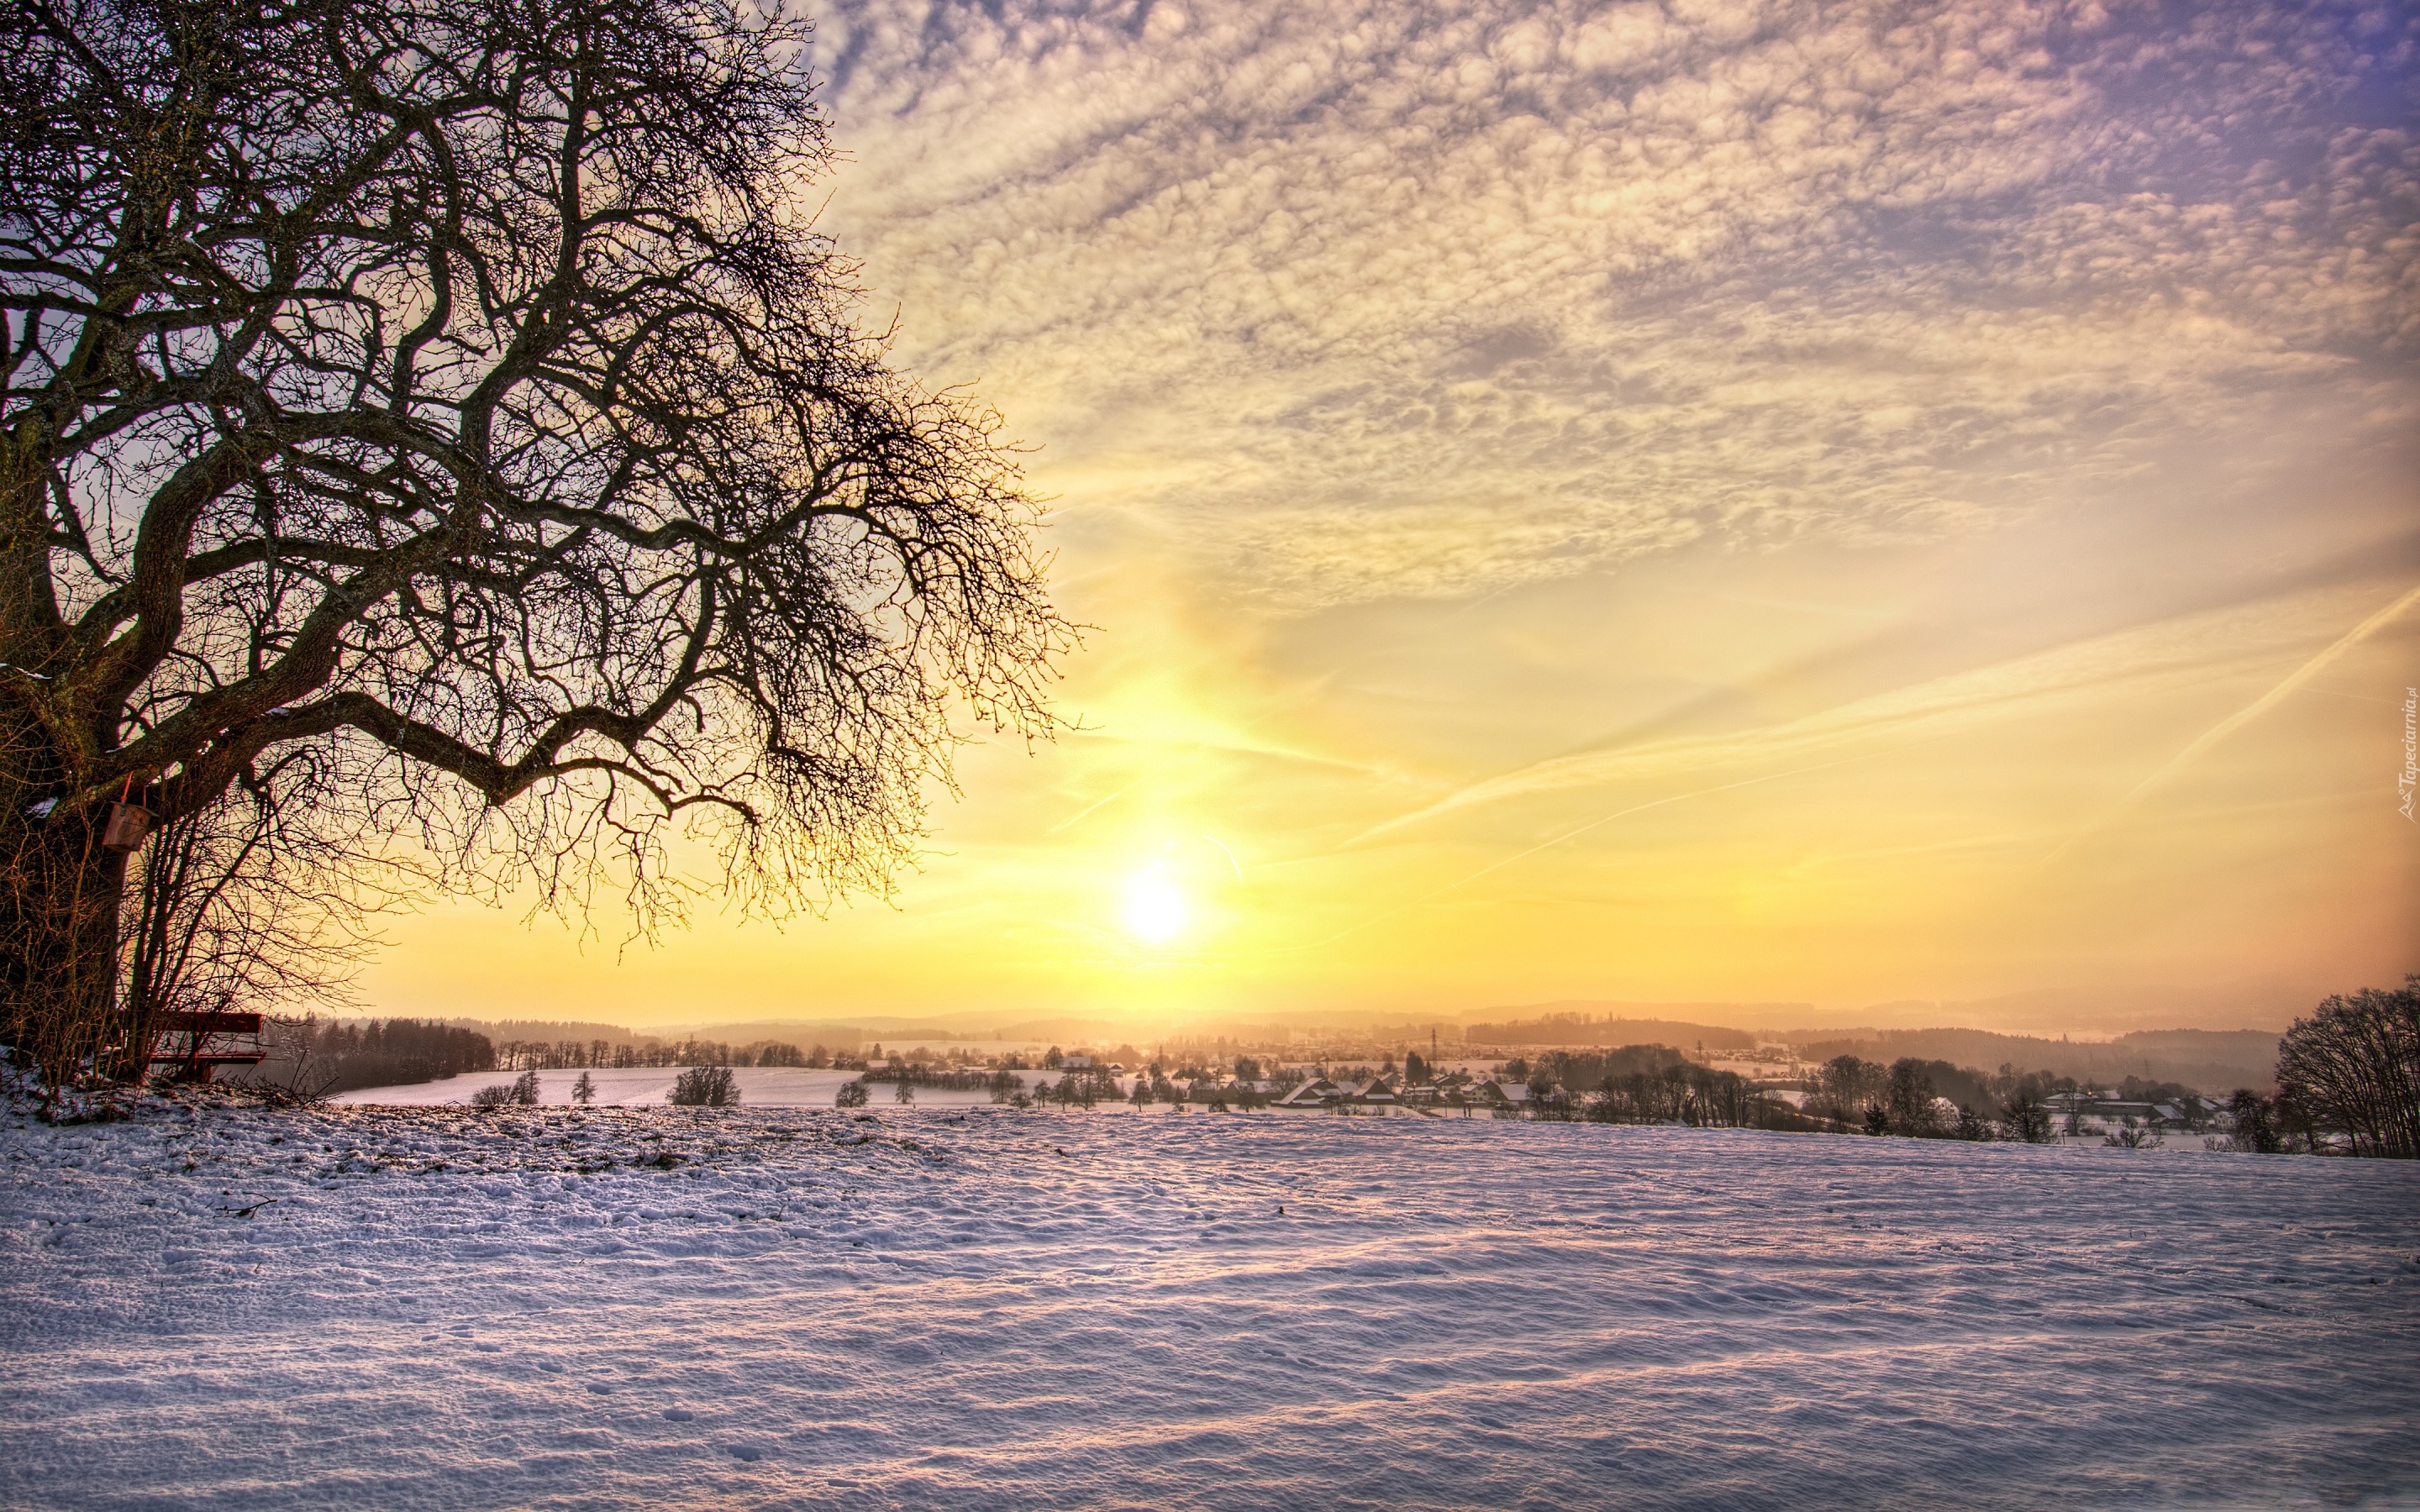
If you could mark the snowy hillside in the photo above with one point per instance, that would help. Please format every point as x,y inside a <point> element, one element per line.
<point>426,1307</point>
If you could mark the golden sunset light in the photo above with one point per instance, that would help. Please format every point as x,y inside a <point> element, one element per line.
<point>1632,503</point>
<point>1001,754</point>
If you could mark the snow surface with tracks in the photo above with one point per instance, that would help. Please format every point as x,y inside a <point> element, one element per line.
<point>432,1307</point>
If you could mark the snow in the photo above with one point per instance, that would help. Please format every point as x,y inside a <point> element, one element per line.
<point>770,1308</point>
<point>758,1085</point>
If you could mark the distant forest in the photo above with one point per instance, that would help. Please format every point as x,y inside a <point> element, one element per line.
<point>1581,1029</point>
<point>321,1058</point>
<point>2193,1057</point>
<point>2212,1061</point>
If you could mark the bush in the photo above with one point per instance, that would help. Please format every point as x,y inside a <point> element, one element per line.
<point>1907,1100</point>
<point>2252,1124</point>
<point>2026,1117</point>
<point>852,1095</point>
<point>522,1092</point>
<point>704,1086</point>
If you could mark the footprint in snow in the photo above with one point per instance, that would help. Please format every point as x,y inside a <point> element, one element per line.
<point>744,1451</point>
<point>679,1414</point>
<point>600,1388</point>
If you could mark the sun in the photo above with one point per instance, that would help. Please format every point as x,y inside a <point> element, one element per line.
<point>1155,911</point>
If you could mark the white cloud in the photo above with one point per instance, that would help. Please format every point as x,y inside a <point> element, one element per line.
<point>1360,298</point>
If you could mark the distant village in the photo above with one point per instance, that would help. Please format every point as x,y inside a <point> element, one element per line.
<point>1900,1083</point>
<point>1633,1084</point>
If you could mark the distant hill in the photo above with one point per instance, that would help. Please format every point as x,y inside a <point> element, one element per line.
<point>2212,1061</point>
<point>804,1033</point>
<point>1576,1025</point>
<point>547,1031</point>
<point>1608,1033</point>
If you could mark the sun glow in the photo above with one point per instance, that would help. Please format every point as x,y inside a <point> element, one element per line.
<point>1155,910</point>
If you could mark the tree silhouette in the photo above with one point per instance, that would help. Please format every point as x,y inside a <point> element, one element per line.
<point>463,390</point>
<point>2354,1065</point>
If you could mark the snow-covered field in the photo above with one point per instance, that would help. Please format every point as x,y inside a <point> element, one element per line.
<point>759,1086</point>
<point>426,1307</point>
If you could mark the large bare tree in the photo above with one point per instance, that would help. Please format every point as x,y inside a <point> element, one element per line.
<point>2354,1065</point>
<point>461,387</point>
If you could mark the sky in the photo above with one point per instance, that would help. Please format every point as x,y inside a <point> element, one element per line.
<point>1832,506</point>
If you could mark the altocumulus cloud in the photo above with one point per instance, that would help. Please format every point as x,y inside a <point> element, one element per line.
<point>1350,299</point>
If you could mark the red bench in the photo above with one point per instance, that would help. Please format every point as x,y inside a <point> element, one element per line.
<point>209,1043</point>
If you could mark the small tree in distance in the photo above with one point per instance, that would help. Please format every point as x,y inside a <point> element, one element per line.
<point>2025,1114</point>
<point>584,1091</point>
<point>2252,1123</point>
<point>851,1095</point>
<point>704,1086</point>
<point>520,1093</point>
<point>1907,1100</point>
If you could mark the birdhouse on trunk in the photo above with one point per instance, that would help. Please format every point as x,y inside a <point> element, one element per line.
<point>128,824</point>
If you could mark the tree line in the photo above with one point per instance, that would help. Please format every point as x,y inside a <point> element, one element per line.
<point>567,1055</point>
<point>321,1058</point>
<point>325,1056</point>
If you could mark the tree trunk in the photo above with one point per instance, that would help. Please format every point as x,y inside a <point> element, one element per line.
<point>59,902</point>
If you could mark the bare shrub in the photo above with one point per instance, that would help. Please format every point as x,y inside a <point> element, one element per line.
<point>704,1086</point>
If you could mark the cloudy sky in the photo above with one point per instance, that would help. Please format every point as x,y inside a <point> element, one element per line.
<point>1830,503</point>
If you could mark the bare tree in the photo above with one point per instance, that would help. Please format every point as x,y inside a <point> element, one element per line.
<point>1907,1099</point>
<point>704,1087</point>
<point>461,388</point>
<point>237,904</point>
<point>2354,1067</point>
<point>2024,1113</point>
<point>1847,1088</point>
<point>2252,1123</point>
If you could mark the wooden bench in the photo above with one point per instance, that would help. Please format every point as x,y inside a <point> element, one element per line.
<point>201,1055</point>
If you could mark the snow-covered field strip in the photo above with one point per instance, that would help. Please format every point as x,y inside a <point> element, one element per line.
<point>426,1307</point>
<point>769,1086</point>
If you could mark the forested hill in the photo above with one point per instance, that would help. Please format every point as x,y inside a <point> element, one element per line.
<point>2212,1061</point>
<point>1582,1028</point>
<point>546,1032</point>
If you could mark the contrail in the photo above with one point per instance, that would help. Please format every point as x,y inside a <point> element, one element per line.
<point>1570,835</point>
<point>2237,720</point>
<point>1938,705</point>
<point>1229,855</point>
<point>1089,809</point>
